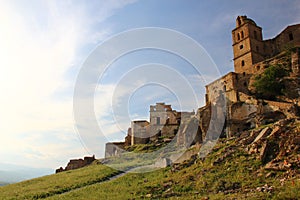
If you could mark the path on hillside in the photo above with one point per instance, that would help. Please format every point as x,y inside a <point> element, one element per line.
<point>107,179</point>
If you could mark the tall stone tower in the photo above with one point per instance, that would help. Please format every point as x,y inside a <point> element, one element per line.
<point>248,46</point>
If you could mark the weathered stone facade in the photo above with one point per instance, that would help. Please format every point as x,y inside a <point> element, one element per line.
<point>249,47</point>
<point>164,123</point>
<point>114,148</point>
<point>252,55</point>
<point>140,130</point>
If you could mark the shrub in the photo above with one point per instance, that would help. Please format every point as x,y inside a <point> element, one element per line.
<point>269,84</point>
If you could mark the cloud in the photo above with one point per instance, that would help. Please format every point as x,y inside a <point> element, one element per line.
<point>38,48</point>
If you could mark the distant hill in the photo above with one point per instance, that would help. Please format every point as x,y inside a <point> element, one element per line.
<point>3,183</point>
<point>10,173</point>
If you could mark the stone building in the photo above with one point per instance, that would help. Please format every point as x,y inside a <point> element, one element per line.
<point>164,121</point>
<point>250,48</point>
<point>252,55</point>
<point>229,97</point>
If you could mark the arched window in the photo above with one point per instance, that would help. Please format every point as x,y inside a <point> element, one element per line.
<point>243,63</point>
<point>242,34</point>
<point>239,21</point>
<point>238,36</point>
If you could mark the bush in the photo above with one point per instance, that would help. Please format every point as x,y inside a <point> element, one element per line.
<point>269,84</point>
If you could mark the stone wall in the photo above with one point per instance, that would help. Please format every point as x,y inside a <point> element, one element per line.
<point>114,149</point>
<point>77,163</point>
<point>140,130</point>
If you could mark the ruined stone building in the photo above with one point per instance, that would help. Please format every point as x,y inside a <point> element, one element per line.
<point>164,123</point>
<point>231,105</point>
<point>77,163</point>
<point>252,55</point>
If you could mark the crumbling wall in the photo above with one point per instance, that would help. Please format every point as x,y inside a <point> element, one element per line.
<point>114,149</point>
<point>77,163</point>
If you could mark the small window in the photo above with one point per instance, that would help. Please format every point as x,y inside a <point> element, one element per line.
<point>242,34</point>
<point>245,84</point>
<point>255,35</point>
<point>238,36</point>
<point>244,74</point>
<point>258,68</point>
<point>158,120</point>
<point>243,63</point>
<point>241,46</point>
<point>239,21</point>
<point>291,37</point>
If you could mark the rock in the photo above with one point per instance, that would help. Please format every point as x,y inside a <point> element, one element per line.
<point>148,195</point>
<point>163,162</point>
<point>265,188</point>
<point>266,131</point>
<point>167,184</point>
<point>275,131</point>
<point>270,174</point>
<point>263,152</point>
<point>268,151</point>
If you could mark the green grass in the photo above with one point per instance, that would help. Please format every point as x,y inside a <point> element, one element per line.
<point>57,183</point>
<point>235,176</point>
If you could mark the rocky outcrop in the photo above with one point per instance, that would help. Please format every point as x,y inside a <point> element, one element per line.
<point>277,146</point>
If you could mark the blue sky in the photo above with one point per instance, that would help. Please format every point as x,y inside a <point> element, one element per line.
<point>45,43</point>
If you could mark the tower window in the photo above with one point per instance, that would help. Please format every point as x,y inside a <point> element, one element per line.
<point>255,35</point>
<point>238,36</point>
<point>245,84</point>
<point>241,46</point>
<point>291,37</point>
<point>243,63</point>
<point>239,21</point>
<point>242,34</point>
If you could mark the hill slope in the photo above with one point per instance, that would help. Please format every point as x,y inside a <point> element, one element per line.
<point>237,168</point>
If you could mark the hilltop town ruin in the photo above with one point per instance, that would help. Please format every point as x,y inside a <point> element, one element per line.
<point>231,97</point>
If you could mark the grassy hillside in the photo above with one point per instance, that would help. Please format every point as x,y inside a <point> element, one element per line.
<point>262,163</point>
<point>238,175</point>
<point>228,172</point>
<point>58,183</point>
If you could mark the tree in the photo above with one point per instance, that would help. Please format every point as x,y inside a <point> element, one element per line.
<point>269,84</point>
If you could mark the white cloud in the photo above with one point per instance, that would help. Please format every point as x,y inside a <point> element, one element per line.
<point>37,48</point>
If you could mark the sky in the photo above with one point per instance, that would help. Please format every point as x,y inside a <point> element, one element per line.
<point>46,44</point>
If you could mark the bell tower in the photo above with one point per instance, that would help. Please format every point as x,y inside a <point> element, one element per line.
<point>247,45</point>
